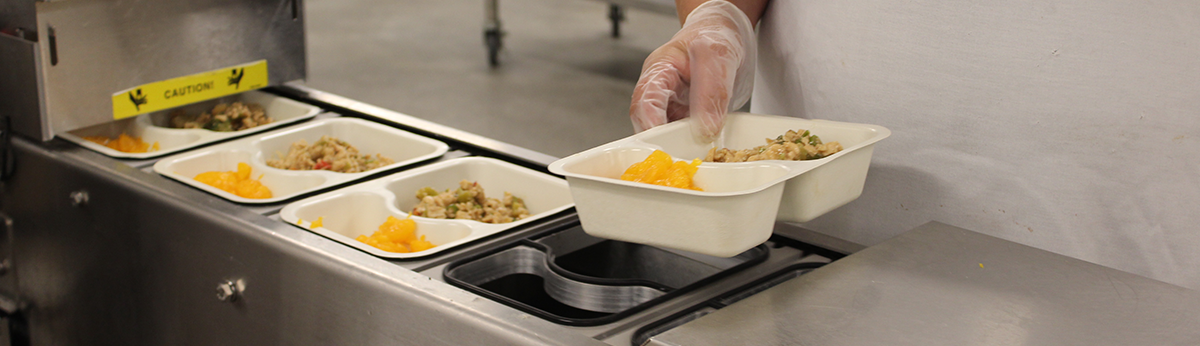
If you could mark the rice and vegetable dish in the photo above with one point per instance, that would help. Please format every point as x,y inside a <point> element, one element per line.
<point>224,117</point>
<point>328,153</point>
<point>468,202</point>
<point>793,145</point>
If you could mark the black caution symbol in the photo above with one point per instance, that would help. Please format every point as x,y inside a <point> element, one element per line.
<point>138,100</point>
<point>236,78</point>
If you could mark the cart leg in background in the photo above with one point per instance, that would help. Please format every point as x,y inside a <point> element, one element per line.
<point>491,31</point>
<point>617,15</point>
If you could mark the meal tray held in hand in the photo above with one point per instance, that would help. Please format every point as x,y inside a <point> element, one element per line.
<point>740,202</point>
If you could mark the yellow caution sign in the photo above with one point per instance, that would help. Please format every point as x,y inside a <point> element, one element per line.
<point>184,90</point>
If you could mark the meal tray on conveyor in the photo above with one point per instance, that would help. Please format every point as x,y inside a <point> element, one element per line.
<point>571,278</point>
<point>360,209</point>
<point>403,147</point>
<point>154,128</point>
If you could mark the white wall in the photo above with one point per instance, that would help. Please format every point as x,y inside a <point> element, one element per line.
<point>1072,126</point>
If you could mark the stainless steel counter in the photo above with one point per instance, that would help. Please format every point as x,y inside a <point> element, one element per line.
<point>943,285</point>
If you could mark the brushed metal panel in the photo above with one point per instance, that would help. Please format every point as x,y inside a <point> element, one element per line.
<point>20,84</point>
<point>105,46</point>
<point>943,285</point>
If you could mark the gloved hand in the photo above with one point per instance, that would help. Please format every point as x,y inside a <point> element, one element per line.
<point>704,71</point>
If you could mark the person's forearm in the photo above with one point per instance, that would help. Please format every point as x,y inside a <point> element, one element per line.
<point>752,8</point>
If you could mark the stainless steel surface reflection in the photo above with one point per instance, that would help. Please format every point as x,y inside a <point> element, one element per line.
<point>943,285</point>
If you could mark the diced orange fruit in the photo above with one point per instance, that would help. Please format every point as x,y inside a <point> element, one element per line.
<point>243,171</point>
<point>399,231</point>
<point>660,169</point>
<point>397,235</point>
<point>236,182</point>
<point>421,244</point>
<point>124,143</point>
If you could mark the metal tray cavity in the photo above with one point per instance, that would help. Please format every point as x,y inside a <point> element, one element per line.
<point>569,277</point>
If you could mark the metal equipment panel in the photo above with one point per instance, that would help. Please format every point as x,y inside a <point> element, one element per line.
<point>92,49</point>
<point>21,86</point>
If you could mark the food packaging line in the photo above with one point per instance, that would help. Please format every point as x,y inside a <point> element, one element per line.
<point>102,247</point>
<point>108,248</point>
<point>105,249</point>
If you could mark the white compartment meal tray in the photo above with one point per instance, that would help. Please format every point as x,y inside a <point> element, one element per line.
<point>369,138</point>
<point>360,209</point>
<point>740,202</point>
<point>153,127</point>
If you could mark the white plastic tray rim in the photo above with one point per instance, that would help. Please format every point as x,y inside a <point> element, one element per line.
<point>285,111</point>
<point>794,168</point>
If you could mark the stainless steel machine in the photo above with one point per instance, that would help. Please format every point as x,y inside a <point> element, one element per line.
<point>65,60</point>
<point>99,250</point>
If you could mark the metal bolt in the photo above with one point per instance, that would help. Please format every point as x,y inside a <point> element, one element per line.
<point>79,198</point>
<point>229,291</point>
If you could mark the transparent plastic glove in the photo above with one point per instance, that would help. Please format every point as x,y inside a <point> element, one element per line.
<point>703,72</point>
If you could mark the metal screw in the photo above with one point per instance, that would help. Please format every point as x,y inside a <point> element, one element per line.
<point>230,291</point>
<point>79,198</point>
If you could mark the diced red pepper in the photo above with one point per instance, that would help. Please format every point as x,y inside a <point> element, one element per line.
<point>322,164</point>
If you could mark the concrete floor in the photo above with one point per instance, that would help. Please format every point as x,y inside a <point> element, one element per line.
<point>563,85</point>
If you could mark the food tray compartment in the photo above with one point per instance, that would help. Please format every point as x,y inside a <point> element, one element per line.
<point>740,202</point>
<point>369,138</point>
<point>153,127</point>
<point>360,209</point>
<point>572,278</point>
